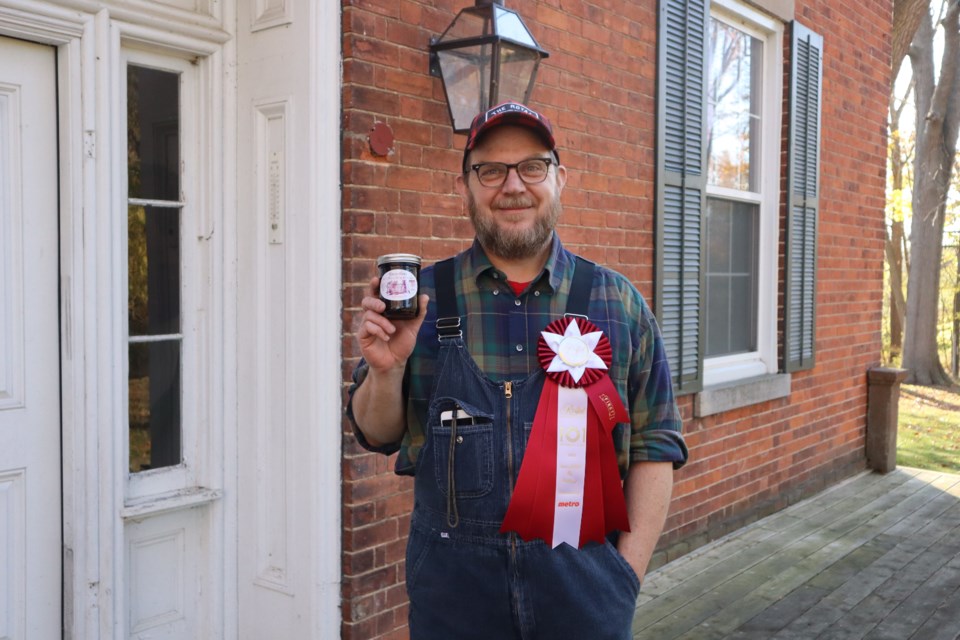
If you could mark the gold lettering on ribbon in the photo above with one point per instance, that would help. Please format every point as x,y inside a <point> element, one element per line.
<point>611,411</point>
<point>570,474</point>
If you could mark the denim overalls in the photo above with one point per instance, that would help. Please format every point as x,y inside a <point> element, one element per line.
<point>464,578</point>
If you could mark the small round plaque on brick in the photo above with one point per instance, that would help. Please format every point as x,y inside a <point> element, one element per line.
<point>381,139</point>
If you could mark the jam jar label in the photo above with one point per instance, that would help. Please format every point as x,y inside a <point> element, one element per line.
<point>398,284</point>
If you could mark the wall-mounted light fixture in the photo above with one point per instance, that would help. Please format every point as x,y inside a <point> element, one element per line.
<point>485,57</point>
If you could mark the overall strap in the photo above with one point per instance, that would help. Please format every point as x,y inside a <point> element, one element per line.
<point>448,317</point>
<point>579,300</point>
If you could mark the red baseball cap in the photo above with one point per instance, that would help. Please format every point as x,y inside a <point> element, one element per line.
<point>512,113</point>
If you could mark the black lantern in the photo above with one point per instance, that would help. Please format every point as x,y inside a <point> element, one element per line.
<point>485,57</point>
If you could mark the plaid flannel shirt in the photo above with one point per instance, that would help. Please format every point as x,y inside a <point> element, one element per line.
<point>502,331</point>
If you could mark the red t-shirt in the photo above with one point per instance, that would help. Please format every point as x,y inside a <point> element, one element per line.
<point>517,287</point>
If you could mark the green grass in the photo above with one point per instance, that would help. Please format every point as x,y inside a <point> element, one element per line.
<point>928,431</point>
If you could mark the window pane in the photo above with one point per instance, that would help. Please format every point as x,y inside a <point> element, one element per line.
<point>153,134</point>
<point>733,103</point>
<point>153,264</point>
<point>153,268</point>
<point>732,229</point>
<point>154,397</point>
<point>718,315</point>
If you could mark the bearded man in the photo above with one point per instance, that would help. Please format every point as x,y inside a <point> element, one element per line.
<point>531,400</point>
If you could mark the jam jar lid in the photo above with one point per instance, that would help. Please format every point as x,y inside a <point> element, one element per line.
<point>391,258</point>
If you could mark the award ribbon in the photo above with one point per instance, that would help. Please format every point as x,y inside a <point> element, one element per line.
<point>569,487</point>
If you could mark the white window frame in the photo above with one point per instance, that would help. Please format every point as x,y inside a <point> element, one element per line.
<point>184,476</point>
<point>728,369</point>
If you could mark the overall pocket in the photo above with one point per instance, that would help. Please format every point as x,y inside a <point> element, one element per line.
<point>462,439</point>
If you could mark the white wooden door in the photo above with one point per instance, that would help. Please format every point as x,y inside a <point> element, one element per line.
<point>30,509</point>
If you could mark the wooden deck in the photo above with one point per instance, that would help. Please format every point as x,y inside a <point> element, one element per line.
<point>875,557</point>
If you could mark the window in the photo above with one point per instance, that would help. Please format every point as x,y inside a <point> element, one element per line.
<point>720,146</point>
<point>164,332</point>
<point>154,210</point>
<point>742,193</point>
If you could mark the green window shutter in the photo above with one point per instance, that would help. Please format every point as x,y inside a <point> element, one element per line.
<point>806,74</point>
<point>681,182</point>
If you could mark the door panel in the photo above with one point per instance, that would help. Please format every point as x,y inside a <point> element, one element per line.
<point>30,484</point>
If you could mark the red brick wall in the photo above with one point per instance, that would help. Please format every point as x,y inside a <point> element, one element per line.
<point>598,87</point>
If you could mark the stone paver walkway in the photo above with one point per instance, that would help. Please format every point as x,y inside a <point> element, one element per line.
<point>875,557</point>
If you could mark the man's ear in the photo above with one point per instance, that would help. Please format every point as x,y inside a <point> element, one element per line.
<point>461,185</point>
<point>561,178</point>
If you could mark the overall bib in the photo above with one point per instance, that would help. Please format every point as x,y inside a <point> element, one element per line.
<point>465,579</point>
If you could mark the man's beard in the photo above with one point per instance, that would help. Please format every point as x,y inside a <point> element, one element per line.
<point>513,244</point>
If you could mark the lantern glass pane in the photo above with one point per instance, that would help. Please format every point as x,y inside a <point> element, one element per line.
<point>466,79</point>
<point>469,23</point>
<point>518,68</point>
<point>509,25</point>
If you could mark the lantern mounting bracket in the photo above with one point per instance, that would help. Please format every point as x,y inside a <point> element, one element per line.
<point>434,58</point>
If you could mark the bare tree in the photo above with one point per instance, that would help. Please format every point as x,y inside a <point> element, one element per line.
<point>906,19</point>
<point>953,221</point>
<point>955,322</point>
<point>937,125</point>
<point>895,246</point>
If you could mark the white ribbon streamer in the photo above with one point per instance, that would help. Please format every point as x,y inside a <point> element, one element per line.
<point>572,407</point>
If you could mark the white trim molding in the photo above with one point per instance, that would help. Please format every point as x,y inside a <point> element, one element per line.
<point>325,309</point>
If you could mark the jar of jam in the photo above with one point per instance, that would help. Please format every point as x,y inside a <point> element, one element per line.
<point>399,285</point>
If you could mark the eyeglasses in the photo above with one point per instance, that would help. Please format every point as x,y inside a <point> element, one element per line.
<point>530,171</point>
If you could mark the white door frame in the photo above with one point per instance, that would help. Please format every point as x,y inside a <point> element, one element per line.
<point>72,35</point>
<point>67,32</point>
<point>93,482</point>
<point>87,35</point>
<point>30,463</point>
<point>326,310</point>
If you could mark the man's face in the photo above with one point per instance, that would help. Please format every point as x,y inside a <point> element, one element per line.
<point>515,220</point>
